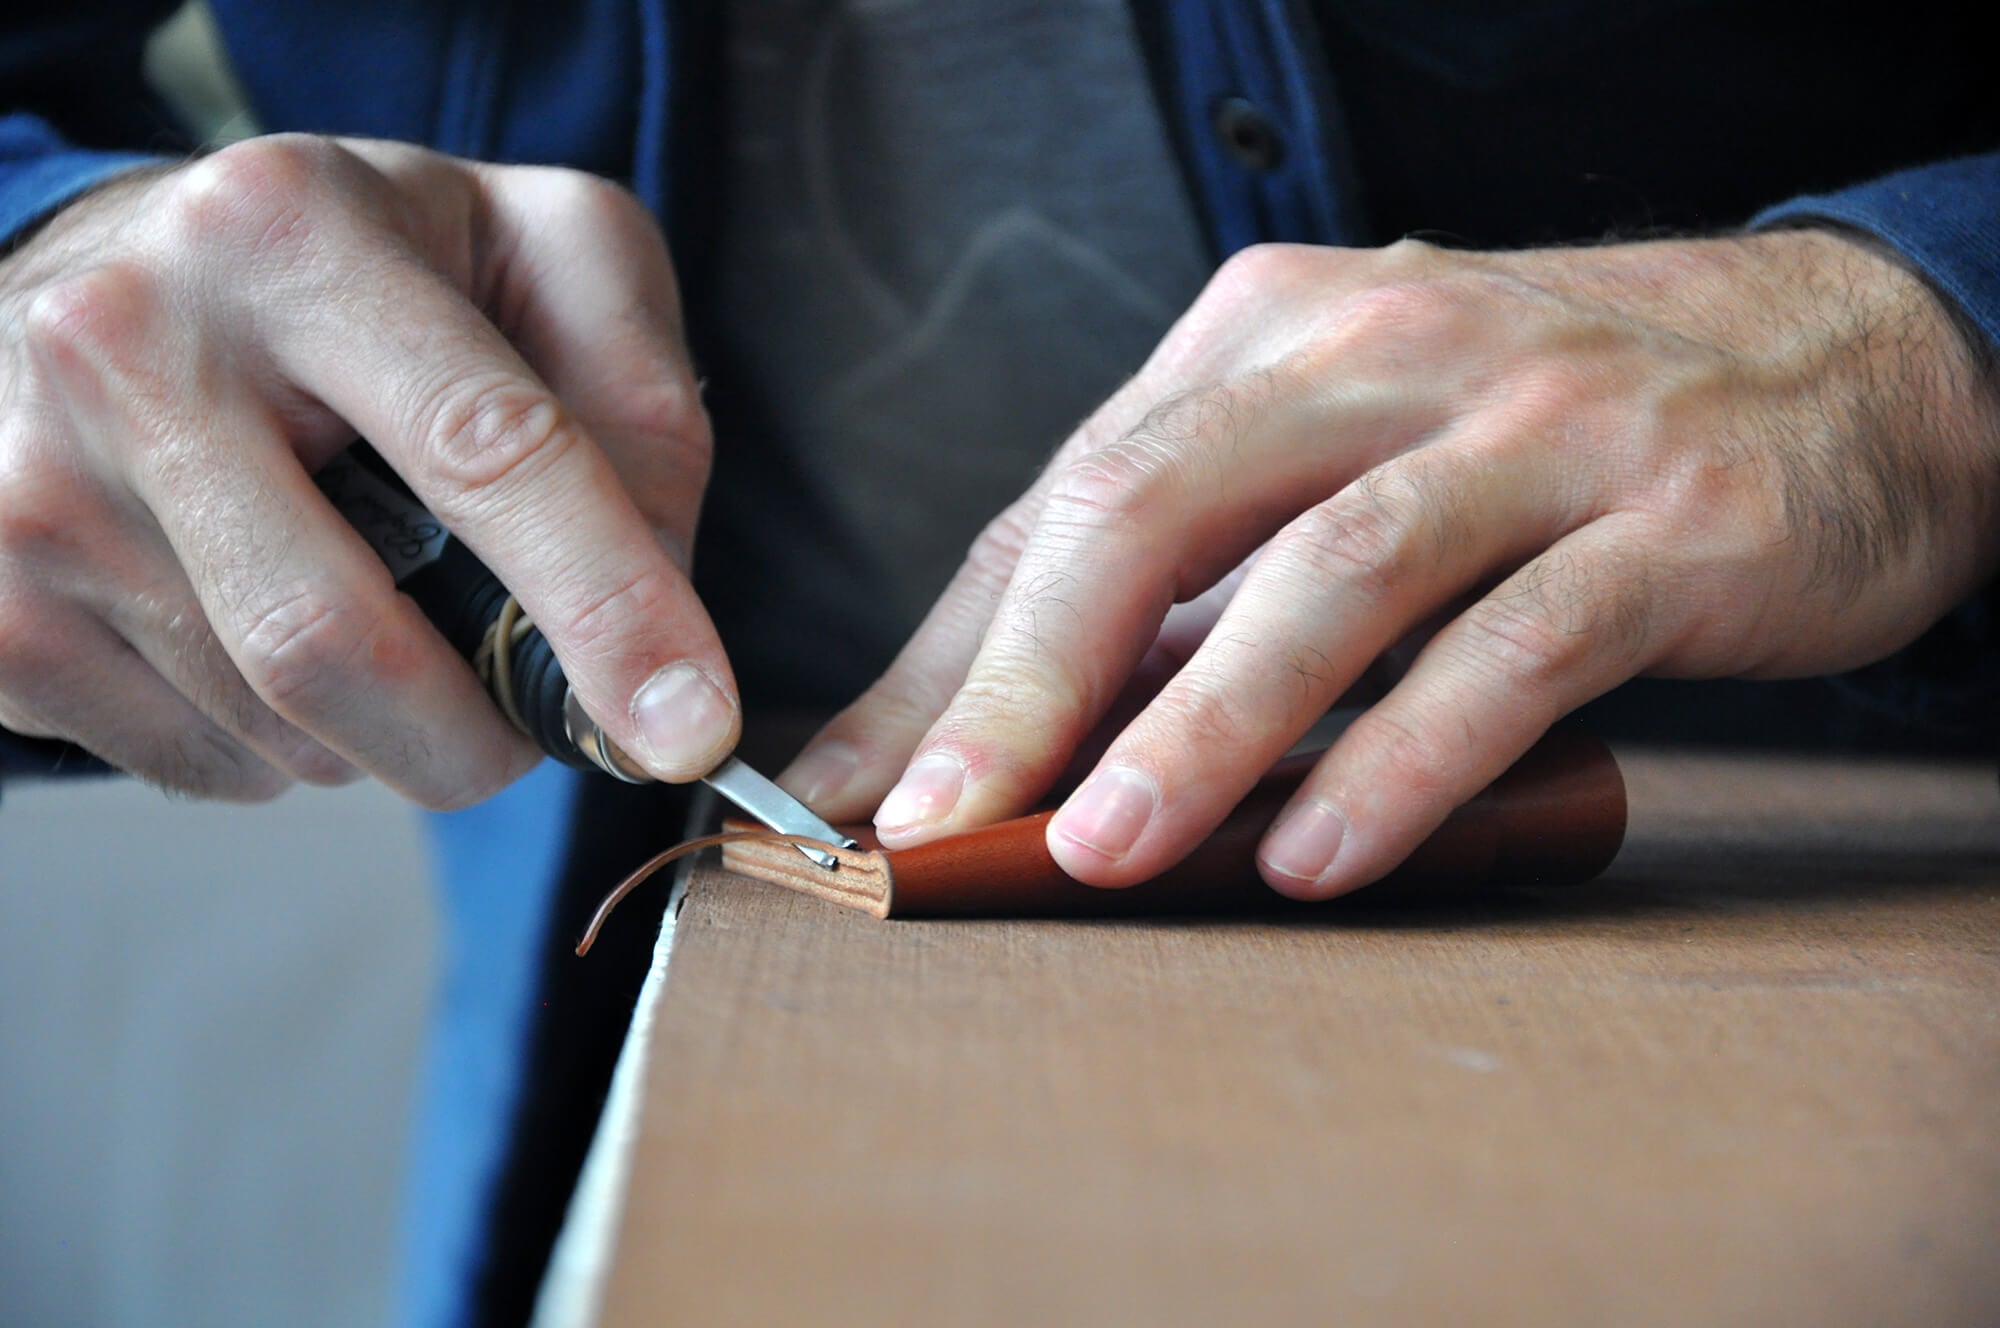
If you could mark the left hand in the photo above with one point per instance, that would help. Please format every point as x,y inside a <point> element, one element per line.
<point>1759,456</point>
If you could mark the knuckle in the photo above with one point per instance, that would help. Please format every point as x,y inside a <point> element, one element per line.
<point>668,410</point>
<point>43,518</point>
<point>1256,270</point>
<point>606,621</point>
<point>590,198</point>
<point>1363,540</point>
<point>1008,686</point>
<point>1699,478</point>
<point>1765,515</point>
<point>255,195</point>
<point>1409,254</point>
<point>994,555</point>
<point>1207,718</point>
<point>1178,448</point>
<point>1115,483</point>
<point>1031,711</point>
<point>301,648</point>
<point>1693,493</point>
<point>219,690</point>
<point>1556,614</point>
<point>1413,754</point>
<point>1515,639</point>
<point>101,320</point>
<point>1407,310</point>
<point>981,580</point>
<point>1558,396</point>
<point>479,438</point>
<point>31,533</point>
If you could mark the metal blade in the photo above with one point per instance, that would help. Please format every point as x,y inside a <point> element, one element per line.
<point>773,807</point>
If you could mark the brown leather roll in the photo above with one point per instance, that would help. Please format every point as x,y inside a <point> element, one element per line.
<point>1556,818</point>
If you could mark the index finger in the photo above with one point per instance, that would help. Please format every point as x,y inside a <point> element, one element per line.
<point>855,759</point>
<point>414,366</point>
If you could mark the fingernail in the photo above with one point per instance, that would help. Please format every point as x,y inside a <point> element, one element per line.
<point>924,796</point>
<point>1303,845</point>
<point>1108,814</point>
<point>684,720</point>
<point>820,774</point>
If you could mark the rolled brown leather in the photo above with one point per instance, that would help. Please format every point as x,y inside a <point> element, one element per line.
<point>1556,818</point>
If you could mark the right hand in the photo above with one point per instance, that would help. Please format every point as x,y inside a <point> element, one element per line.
<point>180,349</point>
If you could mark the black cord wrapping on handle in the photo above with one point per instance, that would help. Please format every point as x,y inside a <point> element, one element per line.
<point>460,595</point>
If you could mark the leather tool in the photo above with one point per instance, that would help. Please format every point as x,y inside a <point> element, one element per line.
<point>484,623</point>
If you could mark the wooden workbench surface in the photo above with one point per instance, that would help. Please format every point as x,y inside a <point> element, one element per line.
<point>1752,1077</point>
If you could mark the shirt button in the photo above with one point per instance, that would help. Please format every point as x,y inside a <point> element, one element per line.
<point>1249,136</point>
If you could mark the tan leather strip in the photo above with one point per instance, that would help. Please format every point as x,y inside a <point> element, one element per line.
<point>732,834</point>
<point>860,882</point>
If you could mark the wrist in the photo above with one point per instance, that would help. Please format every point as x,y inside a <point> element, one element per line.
<point>1924,380</point>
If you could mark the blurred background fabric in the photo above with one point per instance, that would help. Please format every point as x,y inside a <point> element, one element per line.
<point>210,1021</point>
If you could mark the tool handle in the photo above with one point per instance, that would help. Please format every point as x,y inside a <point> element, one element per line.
<point>458,593</point>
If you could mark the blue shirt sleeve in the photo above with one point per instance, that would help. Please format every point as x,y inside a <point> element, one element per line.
<point>40,171</point>
<point>1943,218</point>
